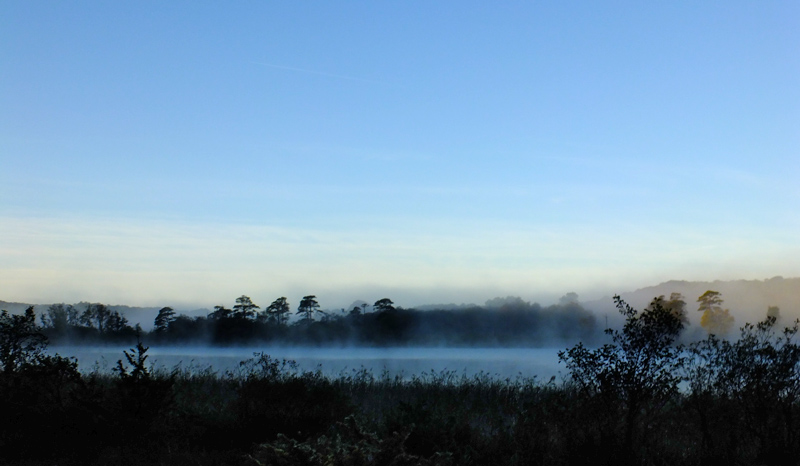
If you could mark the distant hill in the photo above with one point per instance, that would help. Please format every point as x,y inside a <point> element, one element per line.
<point>747,299</point>
<point>17,308</point>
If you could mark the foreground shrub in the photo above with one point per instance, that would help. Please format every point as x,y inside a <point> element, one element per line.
<point>625,387</point>
<point>744,394</point>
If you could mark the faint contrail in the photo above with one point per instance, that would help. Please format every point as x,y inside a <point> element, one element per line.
<point>320,73</point>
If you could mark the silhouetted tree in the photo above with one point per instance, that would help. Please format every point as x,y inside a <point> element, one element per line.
<point>715,319</point>
<point>636,374</point>
<point>752,386</point>
<point>278,311</point>
<point>187,328</point>
<point>21,340</point>
<point>675,304</point>
<point>136,359</point>
<point>166,315</point>
<point>37,396</point>
<point>228,325</point>
<point>244,308</point>
<point>60,317</point>
<point>94,316</point>
<point>103,319</point>
<point>383,305</point>
<point>117,323</point>
<point>220,313</point>
<point>308,306</point>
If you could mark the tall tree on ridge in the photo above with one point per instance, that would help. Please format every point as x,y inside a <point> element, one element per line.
<point>278,311</point>
<point>715,319</point>
<point>308,306</point>
<point>245,308</point>
<point>60,317</point>
<point>166,315</point>
<point>383,305</point>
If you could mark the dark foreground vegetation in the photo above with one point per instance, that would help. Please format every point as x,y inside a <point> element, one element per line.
<point>640,399</point>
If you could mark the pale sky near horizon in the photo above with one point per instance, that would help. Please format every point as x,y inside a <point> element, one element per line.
<point>186,153</point>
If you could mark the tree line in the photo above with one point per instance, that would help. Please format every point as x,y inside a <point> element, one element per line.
<point>503,322</point>
<point>514,323</point>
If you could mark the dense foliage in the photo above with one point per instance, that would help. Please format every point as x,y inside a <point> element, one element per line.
<point>640,399</point>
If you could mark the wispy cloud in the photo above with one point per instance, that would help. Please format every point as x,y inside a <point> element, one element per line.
<point>318,73</point>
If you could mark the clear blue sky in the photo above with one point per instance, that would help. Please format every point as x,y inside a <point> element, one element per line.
<point>186,153</point>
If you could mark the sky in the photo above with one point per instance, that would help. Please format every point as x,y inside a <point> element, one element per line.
<point>186,153</point>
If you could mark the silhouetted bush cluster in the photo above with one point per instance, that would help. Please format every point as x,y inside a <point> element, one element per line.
<point>639,399</point>
<point>95,323</point>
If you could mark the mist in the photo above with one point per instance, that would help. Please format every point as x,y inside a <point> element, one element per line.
<point>500,363</point>
<point>747,300</point>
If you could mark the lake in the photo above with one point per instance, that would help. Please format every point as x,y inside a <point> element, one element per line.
<point>497,362</point>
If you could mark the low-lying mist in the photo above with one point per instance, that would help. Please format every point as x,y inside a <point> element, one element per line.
<point>333,362</point>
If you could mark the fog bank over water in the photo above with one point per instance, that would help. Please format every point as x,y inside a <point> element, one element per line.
<point>497,362</point>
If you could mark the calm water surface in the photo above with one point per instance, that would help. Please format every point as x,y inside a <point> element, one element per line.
<point>498,362</point>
